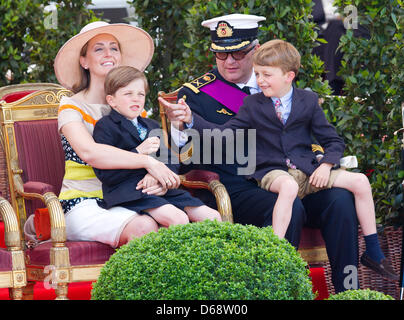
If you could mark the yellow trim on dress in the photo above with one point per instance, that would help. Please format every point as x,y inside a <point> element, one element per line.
<point>73,194</point>
<point>78,171</point>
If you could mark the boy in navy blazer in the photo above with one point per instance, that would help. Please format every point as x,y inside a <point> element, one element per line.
<point>285,118</point>
<point>138,190</point>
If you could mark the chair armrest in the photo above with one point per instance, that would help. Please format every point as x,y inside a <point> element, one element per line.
<point>200,176</point>
<point>38,187</point>
<point>13,242</point>
<point>202,179</point>
<point>11,229</point>
<point>41,191</point>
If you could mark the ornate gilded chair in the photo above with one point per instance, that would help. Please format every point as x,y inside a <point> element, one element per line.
<point>12,265</point>
<point>34,161</point>
<point>312,246</point>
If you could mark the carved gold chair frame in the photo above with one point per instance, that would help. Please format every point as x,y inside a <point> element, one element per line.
<point>16,278</point>
<point>41,104</point>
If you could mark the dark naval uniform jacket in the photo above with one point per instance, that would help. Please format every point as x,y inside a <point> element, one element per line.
<point>213,111</point>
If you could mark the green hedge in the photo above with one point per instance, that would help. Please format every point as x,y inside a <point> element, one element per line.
<point>364,294</point>
<point>205,261</point>
<point>372,69</point>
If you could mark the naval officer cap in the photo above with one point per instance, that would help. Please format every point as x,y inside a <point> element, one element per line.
<point>232,32</point>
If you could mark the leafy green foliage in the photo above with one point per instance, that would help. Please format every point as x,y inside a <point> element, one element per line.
<point>371,112</point>
<point>206,260</point>
<point>28,47</point>
<point>365,294</point>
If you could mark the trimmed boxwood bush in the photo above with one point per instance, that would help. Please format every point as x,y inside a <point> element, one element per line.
<point>365,294</point>
<point>205,260</point>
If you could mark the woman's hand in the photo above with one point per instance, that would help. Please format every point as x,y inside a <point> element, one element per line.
<point>149,146</point>
<point>167,178</point>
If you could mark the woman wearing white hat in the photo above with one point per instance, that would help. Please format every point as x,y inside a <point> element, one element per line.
<point>81,66</point>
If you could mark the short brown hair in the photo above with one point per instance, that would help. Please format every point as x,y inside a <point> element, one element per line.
<point>120,77</point>
<point>278,53</point>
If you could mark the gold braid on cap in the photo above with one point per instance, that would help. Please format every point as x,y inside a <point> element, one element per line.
<point>235,47</point>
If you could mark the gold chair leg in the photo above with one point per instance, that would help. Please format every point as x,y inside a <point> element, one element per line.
<point>16,294</point>
<point>61,291</point>
<point>28,291</point>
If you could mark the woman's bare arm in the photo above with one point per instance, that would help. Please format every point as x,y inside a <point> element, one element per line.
<point>104,156</point>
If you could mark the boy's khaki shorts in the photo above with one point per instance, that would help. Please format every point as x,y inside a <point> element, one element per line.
<point>300,177</point>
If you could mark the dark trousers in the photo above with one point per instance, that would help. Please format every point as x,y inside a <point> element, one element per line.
<point>333,211</point>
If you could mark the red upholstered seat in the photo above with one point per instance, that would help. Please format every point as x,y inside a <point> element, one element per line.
<point>201,175</point>
<point>81,253</point>
<point>310,238</point>
<point>14,96</point>
<point>5,260</point>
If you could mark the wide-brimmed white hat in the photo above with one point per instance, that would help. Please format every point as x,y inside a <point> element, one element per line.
<point>136,45</point>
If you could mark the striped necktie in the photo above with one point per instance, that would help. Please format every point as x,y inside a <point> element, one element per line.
<point>141,130</point>
<point>278,110</point>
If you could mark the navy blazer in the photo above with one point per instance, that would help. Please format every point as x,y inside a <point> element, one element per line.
<point>119,185</point>
<point>275,141</point>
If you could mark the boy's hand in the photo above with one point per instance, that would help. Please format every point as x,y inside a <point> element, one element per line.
<point>321,175</point>
<point>177,113</point>
<point>147,181</point>
<point>150,185</point>
<point>149,146</point>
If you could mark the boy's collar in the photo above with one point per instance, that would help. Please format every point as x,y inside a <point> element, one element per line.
<point>286,97</point>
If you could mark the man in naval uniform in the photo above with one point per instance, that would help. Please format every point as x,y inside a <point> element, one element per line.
<point>217,96</point>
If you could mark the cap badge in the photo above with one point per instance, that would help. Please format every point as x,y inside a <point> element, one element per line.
<point>223,30</point>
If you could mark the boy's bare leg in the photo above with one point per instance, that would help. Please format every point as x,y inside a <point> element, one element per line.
<point>359,185</point>
<point>202,213</point>
<point>286,188</point>
<point>168,215</point>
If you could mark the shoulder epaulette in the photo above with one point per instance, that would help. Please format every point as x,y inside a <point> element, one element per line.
<point>194,85</point>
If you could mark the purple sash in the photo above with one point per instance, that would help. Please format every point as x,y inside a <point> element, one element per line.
<point>227,95</point>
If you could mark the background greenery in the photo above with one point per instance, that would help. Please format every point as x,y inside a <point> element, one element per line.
<point>372,68</point>
<point>27,47</point>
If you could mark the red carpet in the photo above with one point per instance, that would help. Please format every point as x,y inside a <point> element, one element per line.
<point>82,290</point>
